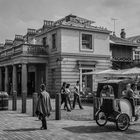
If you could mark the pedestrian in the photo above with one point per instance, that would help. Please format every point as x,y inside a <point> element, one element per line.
<point>129,94</point>
<point>63,94</point>
<point>77,95</point>
<point>43,106</point>
<point>68,93</point>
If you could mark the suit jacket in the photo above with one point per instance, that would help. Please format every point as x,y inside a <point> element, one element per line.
<point>44,104</point>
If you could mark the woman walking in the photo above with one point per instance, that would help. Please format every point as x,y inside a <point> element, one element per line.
<point>68,92</point>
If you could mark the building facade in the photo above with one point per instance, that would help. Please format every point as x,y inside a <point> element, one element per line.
<point>122,51</point>
<point>136,52</point>
<point>60,51</point>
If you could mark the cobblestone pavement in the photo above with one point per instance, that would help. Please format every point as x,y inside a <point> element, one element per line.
<point>17,126</point>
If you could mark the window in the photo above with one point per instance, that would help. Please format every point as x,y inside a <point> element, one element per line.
<point>87,42</point>
<point>137,55</point>
<point>53,41</point>
<point>44,41</point>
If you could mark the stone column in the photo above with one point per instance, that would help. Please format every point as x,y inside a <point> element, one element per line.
<point>24,87</point>
<point>80,79</point>
<point>6,79</point>
<point>14,88</point>
<point>0,79</point>
<point>47,77</point>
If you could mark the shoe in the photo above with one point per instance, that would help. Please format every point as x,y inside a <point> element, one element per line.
<point>41,128</point>
<point>45,127</point>
<point>81,108</point>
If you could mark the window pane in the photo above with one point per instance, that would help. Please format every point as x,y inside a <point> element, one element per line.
<point>44,41</point>
<point>86,41</point>
<point>54,41</point>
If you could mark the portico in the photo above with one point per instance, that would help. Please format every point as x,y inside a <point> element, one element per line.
<point>22,73</point>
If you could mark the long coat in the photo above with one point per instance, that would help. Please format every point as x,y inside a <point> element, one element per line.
<point>44,104</point>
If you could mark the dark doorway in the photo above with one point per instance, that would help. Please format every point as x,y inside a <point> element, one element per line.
<point>31,83</point>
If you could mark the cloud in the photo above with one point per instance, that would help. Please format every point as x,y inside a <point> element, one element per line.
<point>18,15</point>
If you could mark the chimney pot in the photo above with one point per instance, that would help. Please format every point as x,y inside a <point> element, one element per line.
<point>48,23</point>
<point>123,34</point>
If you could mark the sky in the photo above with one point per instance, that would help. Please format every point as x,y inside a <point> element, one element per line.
<point>18,15</point>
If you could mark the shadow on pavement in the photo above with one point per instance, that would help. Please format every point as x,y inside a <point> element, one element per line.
<point>21,129</point>
<point>97,129</point>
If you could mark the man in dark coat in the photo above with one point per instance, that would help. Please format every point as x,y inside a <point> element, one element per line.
<point>43,106</point>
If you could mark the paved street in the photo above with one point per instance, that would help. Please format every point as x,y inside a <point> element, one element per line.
<point>18,126</point>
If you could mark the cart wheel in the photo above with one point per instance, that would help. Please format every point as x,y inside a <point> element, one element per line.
<point>101,118</point>
<point>122,122</point>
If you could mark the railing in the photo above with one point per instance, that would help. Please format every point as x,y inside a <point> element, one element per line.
<point>37,50</point>
<point>122,59</point>
<point>28,49</point>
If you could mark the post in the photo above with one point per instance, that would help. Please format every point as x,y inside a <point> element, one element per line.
<point>14,104</point>
<point>35,99</point>
<point>58,106</point>
<point>24,87</point>
<point>14,87</point>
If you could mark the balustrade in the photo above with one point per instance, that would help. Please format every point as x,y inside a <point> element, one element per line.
<point>24,49</point>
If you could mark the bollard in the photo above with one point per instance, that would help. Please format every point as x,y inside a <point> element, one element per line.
<point>35,99</point>
<point>24,96</point>
<point>58,106</point>
<point>14,104</point>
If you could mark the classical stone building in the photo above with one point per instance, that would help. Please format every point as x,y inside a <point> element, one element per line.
<point>59,51</point>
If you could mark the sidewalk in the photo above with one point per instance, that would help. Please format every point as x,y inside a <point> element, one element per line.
<point>76,114</point>
<point>18,126</point>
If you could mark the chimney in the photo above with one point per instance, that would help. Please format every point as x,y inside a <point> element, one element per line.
<point>30,35</point>
<point>123,34</point>
<point>18,40</point>
<point>31,31</point>
<point>47,24</point>
<point>8,43</point>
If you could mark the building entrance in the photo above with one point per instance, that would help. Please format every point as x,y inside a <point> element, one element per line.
<point>31,83</point>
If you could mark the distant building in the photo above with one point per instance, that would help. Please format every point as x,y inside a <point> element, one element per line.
<point>59,51</point>
<point>122,51</point>
<point>136,52</point>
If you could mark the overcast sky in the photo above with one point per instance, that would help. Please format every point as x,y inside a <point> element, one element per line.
<point>18,15</point>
